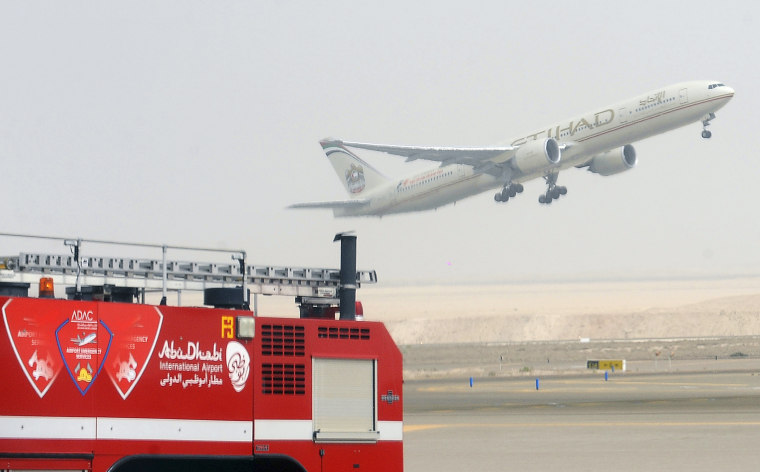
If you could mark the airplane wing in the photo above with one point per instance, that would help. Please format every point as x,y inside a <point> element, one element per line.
<point>475,157</point>
<point>334,204</point>
<point>492,160</point>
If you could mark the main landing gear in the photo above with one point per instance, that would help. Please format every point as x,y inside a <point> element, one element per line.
<point>553,191</point>
<point>705,123</point>
<point>509,191</point>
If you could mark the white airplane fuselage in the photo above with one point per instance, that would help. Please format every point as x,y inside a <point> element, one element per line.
<point>585,136</point>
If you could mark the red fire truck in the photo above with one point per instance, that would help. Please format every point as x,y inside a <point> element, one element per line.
<point>99,383</point>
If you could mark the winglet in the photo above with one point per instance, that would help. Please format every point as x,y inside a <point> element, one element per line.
<point>330,142</point>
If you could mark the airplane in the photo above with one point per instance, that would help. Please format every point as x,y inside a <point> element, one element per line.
<point>80,341</point>
<point>599,141</point>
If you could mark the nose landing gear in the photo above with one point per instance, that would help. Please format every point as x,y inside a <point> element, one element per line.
<point>705,123</point>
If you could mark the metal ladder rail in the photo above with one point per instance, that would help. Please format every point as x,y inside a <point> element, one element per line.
<point>299,281</point>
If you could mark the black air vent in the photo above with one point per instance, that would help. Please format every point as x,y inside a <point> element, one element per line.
<point>343,333</point>
<point>280,340</point>
<point>283,379</point>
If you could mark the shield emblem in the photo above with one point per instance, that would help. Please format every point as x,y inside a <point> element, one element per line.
<point>30,330</point>
<point>83,342</point>
<point>135,329</point>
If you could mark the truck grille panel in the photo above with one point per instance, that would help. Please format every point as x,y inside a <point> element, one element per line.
<point>282,340</point>
<point>283,379</point>
<point>343,333</point>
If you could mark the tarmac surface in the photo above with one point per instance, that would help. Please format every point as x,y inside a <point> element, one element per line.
<point>689,414</point>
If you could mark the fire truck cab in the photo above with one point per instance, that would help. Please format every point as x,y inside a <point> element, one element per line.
<point>97,385</point>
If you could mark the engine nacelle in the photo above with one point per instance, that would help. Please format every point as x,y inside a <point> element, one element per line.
<point>536,155</point>
<point>614,161</point>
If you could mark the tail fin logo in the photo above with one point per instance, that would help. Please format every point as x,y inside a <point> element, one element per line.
<point>355,179</point>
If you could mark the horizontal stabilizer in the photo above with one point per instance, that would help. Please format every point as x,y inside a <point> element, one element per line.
<point>335,204</point>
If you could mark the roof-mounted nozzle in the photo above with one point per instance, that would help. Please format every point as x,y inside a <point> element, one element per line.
<point>347,274</point>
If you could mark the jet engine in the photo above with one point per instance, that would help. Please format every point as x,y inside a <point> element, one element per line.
<point>536,155</point>
<point>614,161</point>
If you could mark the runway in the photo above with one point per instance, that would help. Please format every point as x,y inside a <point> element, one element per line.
<point>695,421</point>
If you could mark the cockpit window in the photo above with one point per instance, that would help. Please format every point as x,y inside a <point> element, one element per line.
<point>712,86</point>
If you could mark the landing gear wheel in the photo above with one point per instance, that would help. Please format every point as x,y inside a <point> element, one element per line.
<point>553,191</point>
<point>508,191</point>
<point>705,123</point>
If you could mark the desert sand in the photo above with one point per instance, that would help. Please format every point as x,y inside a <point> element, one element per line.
<point>553,328</point>
<point>569,311</point>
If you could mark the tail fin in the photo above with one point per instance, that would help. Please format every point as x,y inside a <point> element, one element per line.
<point>357,176</point>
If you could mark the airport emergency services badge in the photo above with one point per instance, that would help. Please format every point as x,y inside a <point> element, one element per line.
<point>31,328</point>
<point>135,329</point>
<point>83,341</point>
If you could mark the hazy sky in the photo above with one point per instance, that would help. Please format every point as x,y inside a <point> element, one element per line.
<point>197,123</point>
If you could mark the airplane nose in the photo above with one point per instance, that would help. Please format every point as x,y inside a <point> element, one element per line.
<point>730,91</point>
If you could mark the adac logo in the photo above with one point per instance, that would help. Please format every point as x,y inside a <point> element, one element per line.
<point>355,179</point>
<point>83,341</point>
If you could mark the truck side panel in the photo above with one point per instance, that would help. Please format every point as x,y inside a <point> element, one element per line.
<point>285,400</point>
<point>111,379</point>
<point>91,384</point>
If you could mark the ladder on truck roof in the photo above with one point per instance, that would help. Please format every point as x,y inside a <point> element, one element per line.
<point>320,284</point>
